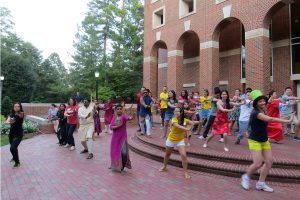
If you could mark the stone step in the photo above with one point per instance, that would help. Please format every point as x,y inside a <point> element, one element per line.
<point>222,156</point>
<point>211,166</point>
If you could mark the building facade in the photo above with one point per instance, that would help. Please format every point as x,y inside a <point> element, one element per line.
<point>197,44</point>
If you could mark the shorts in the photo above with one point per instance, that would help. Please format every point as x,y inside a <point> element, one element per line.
<point>205,113</point>
<point>86,132</point>
<point>173,144</point>
<point>258,146</point>
<point>168,116</point>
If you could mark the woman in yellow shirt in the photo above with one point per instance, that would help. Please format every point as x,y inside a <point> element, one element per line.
<point>176,138</point>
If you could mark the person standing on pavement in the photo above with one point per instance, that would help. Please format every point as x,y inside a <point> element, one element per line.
<point>108,114</point>
<point>163,104</point>
<point>172,104</point>
<point>119,150</point>
<point>145,113</point>
<point>78,98</point>
<point>15,120</point>
<point>287,109</point>
<point>138,96</point>
<point>62,125</point>
<point>258,142</point>
<point>72,121</point>
<point>86,128</point>
<point>176,139</point>
<point>214,99</point>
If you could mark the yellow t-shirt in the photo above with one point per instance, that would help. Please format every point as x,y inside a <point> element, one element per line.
<point>177,134</point>
<point>205,102</point>
<point>163,103</point>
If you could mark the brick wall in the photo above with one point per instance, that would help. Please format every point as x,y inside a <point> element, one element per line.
<point>209,25</point>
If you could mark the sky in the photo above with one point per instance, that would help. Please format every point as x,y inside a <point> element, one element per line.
<point>50,25</point>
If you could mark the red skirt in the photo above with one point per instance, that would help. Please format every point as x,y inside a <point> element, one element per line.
<point>221,124</point>
<point>275,131</point>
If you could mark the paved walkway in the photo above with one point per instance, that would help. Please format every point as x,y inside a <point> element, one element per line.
<point>52,172</point>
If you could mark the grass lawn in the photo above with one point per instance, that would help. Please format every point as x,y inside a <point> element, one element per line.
<point>5,141</point>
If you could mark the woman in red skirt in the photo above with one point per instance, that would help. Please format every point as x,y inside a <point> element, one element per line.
<point>221,123</point>
<point>274,129</point>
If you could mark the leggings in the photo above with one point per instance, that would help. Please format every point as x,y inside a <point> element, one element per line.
<point>14,143</point>
<point>70,130</point>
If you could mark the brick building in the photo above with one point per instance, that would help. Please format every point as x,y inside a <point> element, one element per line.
<point>196,44</point>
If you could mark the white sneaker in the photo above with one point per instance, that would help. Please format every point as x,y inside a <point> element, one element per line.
<point>221,140</point>
<point>201,137</point>
<point>67,145</point>
<point>263,186</point>
<point>205,145</point>
<point>245,182</point>
<point>72,148</point>
<point>226,149</point>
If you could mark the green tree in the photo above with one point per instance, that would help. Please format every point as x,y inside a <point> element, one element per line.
<point>6,106</point>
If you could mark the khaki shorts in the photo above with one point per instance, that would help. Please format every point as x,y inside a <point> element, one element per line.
<point>86,132</point>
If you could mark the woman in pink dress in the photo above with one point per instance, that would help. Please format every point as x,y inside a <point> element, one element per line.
<point>119,151</point>
<point>274,129</point>
<point>221,123</point>
<point>108,109</point>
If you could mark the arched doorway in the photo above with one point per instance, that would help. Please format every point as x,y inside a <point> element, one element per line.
<point>159,67</point>
<point>230,34</point>
<point>189,44</point>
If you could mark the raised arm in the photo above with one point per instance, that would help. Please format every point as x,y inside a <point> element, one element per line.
<point>266,118</point>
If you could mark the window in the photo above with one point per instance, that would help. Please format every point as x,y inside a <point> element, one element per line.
<point>243,53</point>
<point>159,17</point>
<point>295,37</point>
<point>219,1</point>
<point>186,7</point>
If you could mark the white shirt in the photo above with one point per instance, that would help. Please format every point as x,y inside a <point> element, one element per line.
<point>245,111</point>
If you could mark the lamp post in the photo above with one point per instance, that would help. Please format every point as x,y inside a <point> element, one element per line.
<point>97,82</point>
<point>1,85</point>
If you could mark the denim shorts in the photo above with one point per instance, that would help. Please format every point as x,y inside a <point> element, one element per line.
<point>169,116</point>
<point>205,113</point>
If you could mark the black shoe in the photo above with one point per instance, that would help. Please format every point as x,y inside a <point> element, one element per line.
<point>237,141</point>
<point>90,156</point>
<point>16,165</point>
<point>84,151</point>
<point>139,130</point>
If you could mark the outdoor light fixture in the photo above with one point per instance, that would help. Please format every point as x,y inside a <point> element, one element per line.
<point>2,78</point>
<point>97,74</point>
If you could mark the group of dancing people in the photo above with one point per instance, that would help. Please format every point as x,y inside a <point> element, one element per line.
<point>258,116</point>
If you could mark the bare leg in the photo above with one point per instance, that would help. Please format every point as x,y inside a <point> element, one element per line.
<point>166,159</point>
<point>257,162</point>
<point>166,128</point>
<point>268,160</point>
<point>210,136</point>
<point>182,152</point>
<point>225,142</point>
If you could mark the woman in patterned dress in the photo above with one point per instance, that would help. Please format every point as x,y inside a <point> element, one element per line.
<point>221,123</point>
<point>235,115</point>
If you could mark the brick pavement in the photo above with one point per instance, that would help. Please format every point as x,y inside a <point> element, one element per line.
<point>52,172</point>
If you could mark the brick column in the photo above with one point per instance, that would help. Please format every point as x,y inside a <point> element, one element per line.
<point>150,70</point>
<point>209,65</point>
<point>175,70</point>
<point>257,48</point>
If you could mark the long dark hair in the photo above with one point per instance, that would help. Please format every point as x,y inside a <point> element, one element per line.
<point>73,101</point>
<point>227,100</point>
<point>181,116</point>
<point>13,111</point>
<point>186,94</point>
<point>174,95</point>
<point>270,94</point>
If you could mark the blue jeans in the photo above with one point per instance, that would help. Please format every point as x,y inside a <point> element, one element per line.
<point>243,127</point>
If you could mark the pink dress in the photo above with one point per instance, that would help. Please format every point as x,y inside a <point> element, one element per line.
<point>109,112</point>
<point>221,123</point>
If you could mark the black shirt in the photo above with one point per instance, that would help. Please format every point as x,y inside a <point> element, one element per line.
<point>61,118</point>
<point>16,128</point>
<point>258,128</point>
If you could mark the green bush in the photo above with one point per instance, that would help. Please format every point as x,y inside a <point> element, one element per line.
<point>6,106</point>
<point>2,118</point>
<point>28,126</point>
